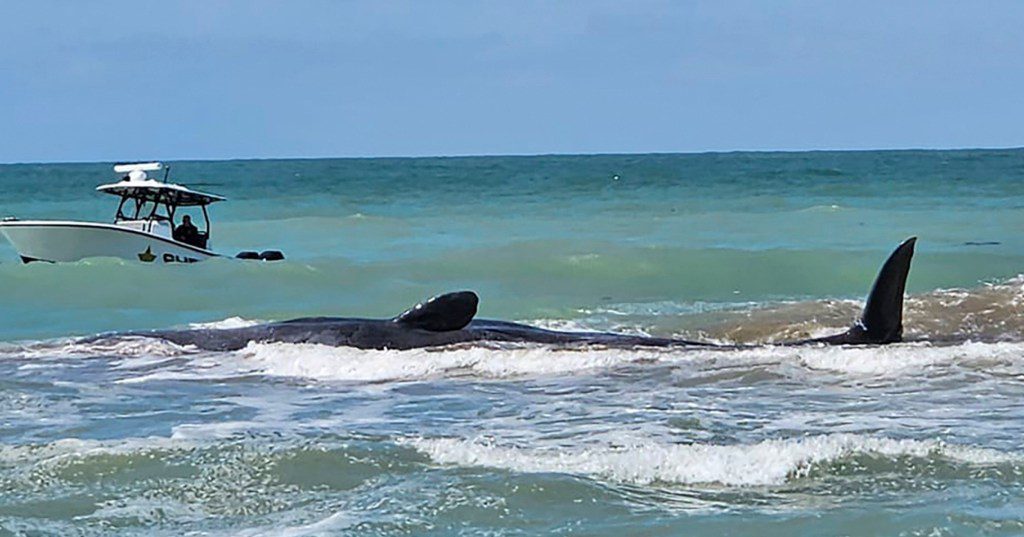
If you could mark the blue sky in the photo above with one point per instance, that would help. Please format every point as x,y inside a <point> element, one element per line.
<point>101,81</point>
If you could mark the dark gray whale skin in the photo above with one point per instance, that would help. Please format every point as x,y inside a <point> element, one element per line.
<point>387,334</point>
<point>448,320</point>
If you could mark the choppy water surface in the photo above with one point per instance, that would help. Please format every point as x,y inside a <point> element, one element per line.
<point>137,436</point>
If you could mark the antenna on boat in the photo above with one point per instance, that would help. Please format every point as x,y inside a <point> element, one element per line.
<point>167,171</point>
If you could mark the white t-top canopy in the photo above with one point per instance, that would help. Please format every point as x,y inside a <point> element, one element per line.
<point>155,191</point>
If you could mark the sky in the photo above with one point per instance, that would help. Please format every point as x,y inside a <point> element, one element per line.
<point>209,79</point>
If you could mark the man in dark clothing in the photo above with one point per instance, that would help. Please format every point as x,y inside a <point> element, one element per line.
<point>187,232</point>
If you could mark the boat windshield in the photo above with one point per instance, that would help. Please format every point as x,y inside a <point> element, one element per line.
<point>184,225</point>
<point>186,230</point>
<point>139,209</point>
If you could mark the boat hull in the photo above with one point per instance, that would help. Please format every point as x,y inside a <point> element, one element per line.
<point>56,241</point>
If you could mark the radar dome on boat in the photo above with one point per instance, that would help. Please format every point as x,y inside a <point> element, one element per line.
<point>128,167</point>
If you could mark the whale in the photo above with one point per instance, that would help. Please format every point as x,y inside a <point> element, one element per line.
<point>450,319</point>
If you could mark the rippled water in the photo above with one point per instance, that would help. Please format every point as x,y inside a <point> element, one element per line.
<point>139,436</point>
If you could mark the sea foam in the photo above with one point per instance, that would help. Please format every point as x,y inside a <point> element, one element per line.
<point>770,462</point>
<point>223,324</point>
<point>319,362</point>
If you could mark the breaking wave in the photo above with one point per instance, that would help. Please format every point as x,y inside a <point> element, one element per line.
<point>771,462</point>
<point>324,363</point>
<point>342,364</point>
<point>144,359</point>
<point>318,362</point>
<point>121,346</point>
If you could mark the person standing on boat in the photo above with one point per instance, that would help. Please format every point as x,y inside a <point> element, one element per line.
<point>186,232</point>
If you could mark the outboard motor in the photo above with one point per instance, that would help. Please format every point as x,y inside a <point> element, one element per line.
<point>266,255</point>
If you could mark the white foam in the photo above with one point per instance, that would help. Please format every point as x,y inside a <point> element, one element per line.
<point>331,524</point>
<point>588,325</point>
<point>349,364</point>
<point>325,363</point>
<point>562,325</point>
<point>771,462</point>
<point>73,448</point>
<point>897,360</point>
<point>199,366</point>
<point>121,346</point>
<point>224,324</point>
<point>343,363</point>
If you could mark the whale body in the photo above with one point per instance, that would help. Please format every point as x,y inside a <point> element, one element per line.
<point>448,319</point>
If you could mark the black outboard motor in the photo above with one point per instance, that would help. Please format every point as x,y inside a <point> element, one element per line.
<point>266,255</point>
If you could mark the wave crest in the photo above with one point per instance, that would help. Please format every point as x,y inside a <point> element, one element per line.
<point>771,462</point>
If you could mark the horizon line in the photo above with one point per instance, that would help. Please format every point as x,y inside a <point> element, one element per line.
<point>518,155</point>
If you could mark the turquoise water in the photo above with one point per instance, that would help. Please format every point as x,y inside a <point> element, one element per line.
<point>144,437</point>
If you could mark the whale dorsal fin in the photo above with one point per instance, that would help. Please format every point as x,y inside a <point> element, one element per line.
<point>442,313</point>
<point>882,318</point>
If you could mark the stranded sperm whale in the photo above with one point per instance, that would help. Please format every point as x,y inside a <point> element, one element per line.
<point>449,319</point>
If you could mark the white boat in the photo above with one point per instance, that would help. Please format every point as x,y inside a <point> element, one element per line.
<point>144,229</point>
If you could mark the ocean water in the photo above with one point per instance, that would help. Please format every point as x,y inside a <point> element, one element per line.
<point>137,436</point>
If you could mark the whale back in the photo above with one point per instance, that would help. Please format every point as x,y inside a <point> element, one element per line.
<point>442,313</point>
